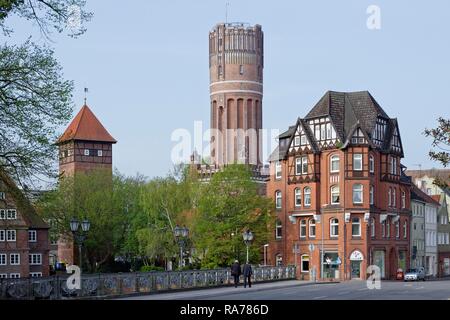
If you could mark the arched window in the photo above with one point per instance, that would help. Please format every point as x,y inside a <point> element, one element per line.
<point>278,199</point>
<point>334,164</point>
<point>390,197</point>
<point>303,229</point>
<point>335,195</point>
<point>372,195</point>
<point>307,196</point>
<point>405,229</point>
<point>403,199</point>
<point>334,227</point>
<point>371,164</point>
<point>372,227</point>
<point>356,227</point>
<point>394,197</point>
<point>312,228</point>
<point>278,230</point>
<point>298,197</point>
<point>397,229</point>
<point>358,193</point>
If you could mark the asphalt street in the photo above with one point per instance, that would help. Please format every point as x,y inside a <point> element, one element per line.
<point>298,290</point>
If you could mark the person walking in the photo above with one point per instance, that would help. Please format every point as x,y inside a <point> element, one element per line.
<point>236,272</point>
<point>248,272</point>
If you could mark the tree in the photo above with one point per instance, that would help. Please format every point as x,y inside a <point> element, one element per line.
<point>34,97</point>
<point>35,100</point>
<point>441,141</point>
<point>107,202</point>
<point>228,206</point>
<point>166,202</point>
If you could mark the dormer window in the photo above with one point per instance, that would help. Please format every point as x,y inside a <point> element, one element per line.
<point>297,141</point>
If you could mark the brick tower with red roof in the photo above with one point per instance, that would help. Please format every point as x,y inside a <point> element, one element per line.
<point>85,145</point>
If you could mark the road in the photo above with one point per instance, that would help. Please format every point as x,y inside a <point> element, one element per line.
<point>298,290</point>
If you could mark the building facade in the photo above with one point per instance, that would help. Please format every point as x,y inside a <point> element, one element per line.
<point>84,146</point>
<point>342,199</point>
<point>431,253</point>
<point>443,234</point>
<point>417,229</point>
<point>24,245</point>
<point>236,62</point>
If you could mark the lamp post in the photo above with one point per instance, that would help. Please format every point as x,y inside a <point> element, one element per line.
<point>248,238</point>
<point>80,236</point>
<point>181,233</point>
<point>265,254</point>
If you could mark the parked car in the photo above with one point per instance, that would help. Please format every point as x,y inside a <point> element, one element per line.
<point>415,274</point>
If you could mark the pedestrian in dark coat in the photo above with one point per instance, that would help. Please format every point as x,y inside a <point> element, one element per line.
<point>236,272</point>
<point>248,272</point>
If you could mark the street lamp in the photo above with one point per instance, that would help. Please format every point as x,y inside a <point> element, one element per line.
<point>181,233</point>
<point>80,236</point>
<point>248,238</point>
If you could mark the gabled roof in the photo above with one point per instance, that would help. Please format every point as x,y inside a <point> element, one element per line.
<point>86,126</point>
<point>417,194</point>
<point>23,204</point>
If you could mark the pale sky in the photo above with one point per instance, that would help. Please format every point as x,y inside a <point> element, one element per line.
<point>146,66</point>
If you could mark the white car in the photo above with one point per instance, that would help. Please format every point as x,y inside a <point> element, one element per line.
<point>415,274</point>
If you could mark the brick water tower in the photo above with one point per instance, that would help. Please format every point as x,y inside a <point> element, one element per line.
<point>236,61</point>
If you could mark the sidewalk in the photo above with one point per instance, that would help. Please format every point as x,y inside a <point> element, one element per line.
<point>207,293</point>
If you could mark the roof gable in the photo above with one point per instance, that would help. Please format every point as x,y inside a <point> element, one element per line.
<point>86,126</point>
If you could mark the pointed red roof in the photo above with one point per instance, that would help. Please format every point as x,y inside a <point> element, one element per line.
<point>86,126</point>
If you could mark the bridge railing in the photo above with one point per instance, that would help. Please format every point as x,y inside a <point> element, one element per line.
<point>117,284</point>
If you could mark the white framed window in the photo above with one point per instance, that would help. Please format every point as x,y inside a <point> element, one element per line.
<point>11,235</point>
<point>334,164</point>
<point>383,229</point>
<point>14,259</point>
<point>397,229</point>
<point>35,259</point>
<point>279,260</point>
<point>3,276</point>
<point>298,166</point>
<point>86,152</point>
<point>241,69</point>
<point>335,195</point>
<point>390,197</point>
<point>403,199</point>
<point>32,235</point>
<point>302,228</point>
<point>372,227</point>
<point>11,214</point>
<point>356,227</point>
<point>305,263</point>
<point>2,214</point>
<point>371,164</point>
<point>14,275</point>
<point>372,195</point>
<point>388,228</point>
<point>312,228</point>
<point>303,140</point>
<point>307,196</point>
<point>278,199</point>
<point>357,193</point>
<point>405,229</point>
<point>2,235</point>
<point>278,230</point>
<point>357,161</point>
<point>304,165</point>
<point>36,274</point>
<point>298,197</point>
<point>2,195</point>
<point>394,197</point>
<point>296,141</point>
<point>334,227</point>
<point>278,170</point>
<point>100,153</point>
<point>2,259</point>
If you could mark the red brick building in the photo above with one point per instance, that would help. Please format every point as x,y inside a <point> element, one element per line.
<point>85,145</point>
<point>340,189</point>
<point>24,245</point>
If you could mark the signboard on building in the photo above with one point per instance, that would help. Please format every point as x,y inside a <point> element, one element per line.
<point>356,256</point>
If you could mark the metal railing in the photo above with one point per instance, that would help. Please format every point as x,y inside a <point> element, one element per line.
<point>110,285</point>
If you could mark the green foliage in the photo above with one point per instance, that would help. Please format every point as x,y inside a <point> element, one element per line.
<point>228,206</point>
<point>441,141</point>
<point>151,268</point>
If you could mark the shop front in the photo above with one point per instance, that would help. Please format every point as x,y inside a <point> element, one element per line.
<point>356,259</point>
<point>379,259</point>
<point>331,264</point>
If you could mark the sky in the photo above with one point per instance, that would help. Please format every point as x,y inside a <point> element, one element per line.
<point>146,66</point>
